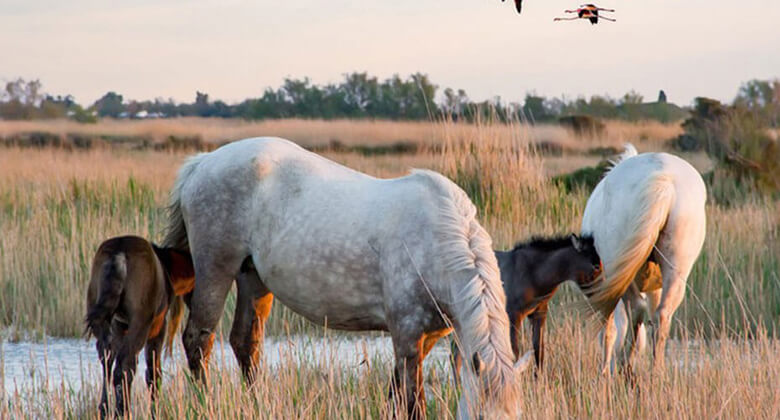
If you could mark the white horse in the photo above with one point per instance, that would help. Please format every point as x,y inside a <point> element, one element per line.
<point>648,220</point>
<point>348,251</point>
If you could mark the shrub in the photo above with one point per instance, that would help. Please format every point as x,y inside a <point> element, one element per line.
<point>582,124</point>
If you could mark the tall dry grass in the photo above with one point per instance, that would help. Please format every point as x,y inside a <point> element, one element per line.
<point>647,134</point>
<point>56,207</point>
<point>709,379</point>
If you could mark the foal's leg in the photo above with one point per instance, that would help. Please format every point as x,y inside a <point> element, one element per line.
<point>253,304</point>
<point>153,353</point>
<point>127,360</point>
<point>538,319</point>
<point>515,328</point>
<point>214,273</point>
<point>106,356</point>
<point>430,340</point>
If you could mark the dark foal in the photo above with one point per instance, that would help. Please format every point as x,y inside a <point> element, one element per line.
<point>531,273</point>
<point>133,283</point>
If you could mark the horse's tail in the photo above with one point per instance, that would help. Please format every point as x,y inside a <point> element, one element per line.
<point>113,274</point>
<point>633,248</point>
<point>174,320</point>
<point>176,230</point>
<point>629,151</point>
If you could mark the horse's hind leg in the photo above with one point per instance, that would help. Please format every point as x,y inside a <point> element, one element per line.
<point>106,356</point>
<point>214,273</point>
<point>671,297</point>
<point>636,315</point>
<point>253,305</point>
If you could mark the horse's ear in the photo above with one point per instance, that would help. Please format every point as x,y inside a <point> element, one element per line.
<point>476,362</point>
<point>576,242</point>
<point>523,363</point>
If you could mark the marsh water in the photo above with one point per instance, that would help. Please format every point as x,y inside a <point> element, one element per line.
<point>70,364</point>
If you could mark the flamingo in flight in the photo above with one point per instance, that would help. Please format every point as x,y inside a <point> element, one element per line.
<point>590,12</point>
<point>518,5</point>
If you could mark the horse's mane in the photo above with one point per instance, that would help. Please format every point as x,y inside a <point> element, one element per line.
<point>550,243</point>
<point>479,303</point>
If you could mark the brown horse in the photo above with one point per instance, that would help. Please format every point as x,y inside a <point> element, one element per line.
<point>133,284</point>
<point>531,273</point>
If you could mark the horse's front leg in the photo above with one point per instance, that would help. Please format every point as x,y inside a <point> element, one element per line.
<point>636,314</point>
<point>253,305</point>
<point>608,342</point>
<point>214,273</point>
<point>516,319</point>
<point>406,389</point>
<point>456,361</point>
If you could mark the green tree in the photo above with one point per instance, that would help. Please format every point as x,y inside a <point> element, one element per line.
<point>110,105</point>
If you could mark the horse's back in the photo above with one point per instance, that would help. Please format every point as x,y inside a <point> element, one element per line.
<point>627,184</point>
<point>143,277</point>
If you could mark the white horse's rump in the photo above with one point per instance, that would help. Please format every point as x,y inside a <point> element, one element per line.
<point>345,250</point>
<point>648,207</point>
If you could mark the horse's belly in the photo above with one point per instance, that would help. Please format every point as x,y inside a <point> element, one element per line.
<point>343,303</point>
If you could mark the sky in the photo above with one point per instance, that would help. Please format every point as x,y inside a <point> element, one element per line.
<point>234,49</point>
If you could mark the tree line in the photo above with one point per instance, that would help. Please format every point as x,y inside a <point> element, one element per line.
<point>359,95</point>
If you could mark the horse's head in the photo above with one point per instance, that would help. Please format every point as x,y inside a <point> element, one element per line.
<point>490,398</point>
<point>587,264</point>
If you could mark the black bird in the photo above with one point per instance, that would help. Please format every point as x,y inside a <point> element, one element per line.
<point>518,5</point>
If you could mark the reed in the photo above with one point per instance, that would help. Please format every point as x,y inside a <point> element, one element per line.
<point>56,206</point>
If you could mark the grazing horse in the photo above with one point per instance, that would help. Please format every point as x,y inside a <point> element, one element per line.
<point>531,273</point>
<point>648,220</point>
<point>132,285</point>
<point>349,251</point>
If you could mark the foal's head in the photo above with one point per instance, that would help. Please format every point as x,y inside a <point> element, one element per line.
<point>586,263</point>
<point>547,262</point>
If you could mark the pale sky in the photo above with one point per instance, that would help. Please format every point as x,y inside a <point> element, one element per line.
<point>234,49</point>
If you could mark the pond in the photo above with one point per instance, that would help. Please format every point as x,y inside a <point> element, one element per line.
<point>72,363</point>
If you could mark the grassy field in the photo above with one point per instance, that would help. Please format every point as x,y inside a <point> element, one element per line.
<point>57,205</point>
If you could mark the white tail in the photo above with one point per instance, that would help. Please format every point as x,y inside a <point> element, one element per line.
<point>634,247</point>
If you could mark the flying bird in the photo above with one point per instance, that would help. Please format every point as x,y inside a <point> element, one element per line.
<point>518,5</point>
<point>590,12</point>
